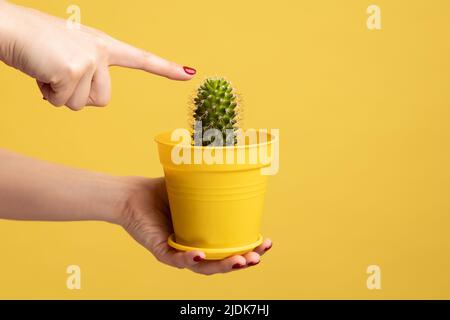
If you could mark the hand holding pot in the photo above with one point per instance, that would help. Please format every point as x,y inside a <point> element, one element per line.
<point>36,190</point>
<point>70,64</point>
<point>147,219</point>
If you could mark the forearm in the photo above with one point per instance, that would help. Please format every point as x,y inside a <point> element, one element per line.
<point>6,31</point>
<point>35,190</point>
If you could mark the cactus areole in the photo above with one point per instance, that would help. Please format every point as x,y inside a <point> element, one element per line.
<point>215,114</point>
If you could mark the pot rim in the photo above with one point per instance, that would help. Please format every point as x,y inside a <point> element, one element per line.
<point>216,253</point>
<point>164,139</point>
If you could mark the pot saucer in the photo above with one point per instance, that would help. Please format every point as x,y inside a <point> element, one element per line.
<point>216,253</point>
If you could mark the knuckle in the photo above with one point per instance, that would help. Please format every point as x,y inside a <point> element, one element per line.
<point>159,259</point>
<point>101,46</point>
<point>196,269</point>
<point>75,106</point>
<point>72,70</point>
<point>55,103</point>
<point>172,65</point>
<point>206,272</point>
<point>90,63</point>
<point>102,101</point>
<point>171,68</point>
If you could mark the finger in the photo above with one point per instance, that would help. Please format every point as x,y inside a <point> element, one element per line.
<point>252,258</point>
<point>263,247</point>
<point>45,89</point>
<point>192,258</point>
<point>166,254</point>
<point>57,94</point>
<point>181,259</point>
<point>125,55</point>
<point>220,266</point>
<point>100,94</point>
<point>80,96</point>
<point>162,191</point>
<point>178,259</point>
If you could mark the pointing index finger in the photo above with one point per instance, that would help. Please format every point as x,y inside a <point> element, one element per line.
<point>124,55</point>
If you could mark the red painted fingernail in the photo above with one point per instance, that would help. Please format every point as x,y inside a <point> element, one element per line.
<point>198,258</point>
<point>252,263</point>
<point>237,266</point>
<point>189,71</point>
<point>268,248</point>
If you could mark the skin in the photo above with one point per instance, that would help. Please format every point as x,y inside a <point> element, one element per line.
<point>72,70</point>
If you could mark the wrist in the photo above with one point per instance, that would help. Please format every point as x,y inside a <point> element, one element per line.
<point>111,199</point>
<point>135,197</point>
<point>131,188</point>
<point>6,31</point>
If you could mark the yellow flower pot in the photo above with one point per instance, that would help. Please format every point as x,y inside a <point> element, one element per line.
<point>215,207</point>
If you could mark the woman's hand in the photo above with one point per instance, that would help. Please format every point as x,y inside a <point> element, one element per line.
<point>40,191</point>
<point>147,219</point>
<point>70,64</point>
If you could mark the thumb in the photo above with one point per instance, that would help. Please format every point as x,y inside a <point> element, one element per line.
<point>124,55</point>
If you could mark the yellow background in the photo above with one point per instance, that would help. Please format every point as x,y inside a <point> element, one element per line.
<point>365,163</point>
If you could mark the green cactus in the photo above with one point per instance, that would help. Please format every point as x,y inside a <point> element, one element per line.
<point>216,105</point>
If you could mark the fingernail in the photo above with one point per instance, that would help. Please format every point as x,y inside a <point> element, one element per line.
<point>268,248</point>
<point>237,266</point>
<point>198,258</point>
<point>190,71</point>
<point>253,263</point>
